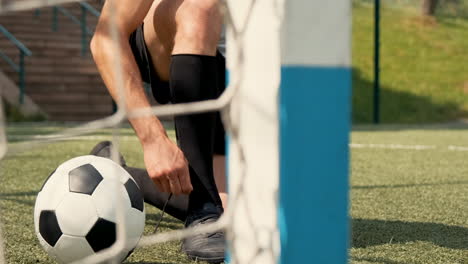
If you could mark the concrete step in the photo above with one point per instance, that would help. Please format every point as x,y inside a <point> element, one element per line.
<point>34,38</point>
<point>55,65</point>
<point>71,98</point>
<point>67,69</point>
<point>78,88</point>
<point>57,79</point>
<point>8,48</point>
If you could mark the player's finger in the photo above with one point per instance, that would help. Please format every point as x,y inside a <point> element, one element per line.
<point>165,185</point>
<point>162,185</point>
<point>184,179</point>
<point>158,185</point>
<point>174,184</point>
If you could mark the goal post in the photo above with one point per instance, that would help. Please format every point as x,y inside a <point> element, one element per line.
<point>254,64</point>
<point>288,173</point>
<point>315,96</point>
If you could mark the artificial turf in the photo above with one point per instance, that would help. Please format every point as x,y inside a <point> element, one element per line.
<point>407,206</point>
<point>410,206</point>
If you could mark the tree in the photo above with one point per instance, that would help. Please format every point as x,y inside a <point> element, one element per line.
<point>429,7</point>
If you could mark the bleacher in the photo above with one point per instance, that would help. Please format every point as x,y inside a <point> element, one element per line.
<point>60,75</point>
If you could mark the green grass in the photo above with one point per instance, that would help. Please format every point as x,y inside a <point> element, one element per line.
<point>410,206</point>
<point>423,66</point>
<point>407,206</point>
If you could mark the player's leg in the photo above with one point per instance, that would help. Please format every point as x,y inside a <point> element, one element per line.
<point>191,29</point>
<point>159,38</point>
<point>163,35</point>
<point>193,76</point>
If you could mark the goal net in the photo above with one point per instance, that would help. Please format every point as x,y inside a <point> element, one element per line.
<point>275,49</point>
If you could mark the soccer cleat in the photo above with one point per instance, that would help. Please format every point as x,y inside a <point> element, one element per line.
<point>103,149</point>
<point>209,247</point>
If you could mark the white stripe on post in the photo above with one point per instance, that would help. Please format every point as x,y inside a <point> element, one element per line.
<point>317,33</point>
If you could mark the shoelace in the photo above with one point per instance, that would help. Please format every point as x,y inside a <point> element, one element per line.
<point>216,235</point>
<point>162,214</point>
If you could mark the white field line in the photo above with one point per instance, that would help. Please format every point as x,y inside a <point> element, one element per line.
<point>66,138</point>
<point>407,147</point>
<point>23,138</point>
<point>392,146</point>
<point>351,145</point>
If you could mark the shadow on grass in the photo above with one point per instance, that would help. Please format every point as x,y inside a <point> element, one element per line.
<point>15,197</point>
<point>372,232</point>
<point>378,260</point>
<point>398,106</point>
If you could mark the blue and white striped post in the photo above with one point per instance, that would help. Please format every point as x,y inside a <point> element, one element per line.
<point>288,162</point>
<point>315,97</point>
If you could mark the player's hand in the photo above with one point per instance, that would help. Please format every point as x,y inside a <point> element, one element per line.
<point>167,166</point>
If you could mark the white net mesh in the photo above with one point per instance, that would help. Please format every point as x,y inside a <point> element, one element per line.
<point>264,238</point>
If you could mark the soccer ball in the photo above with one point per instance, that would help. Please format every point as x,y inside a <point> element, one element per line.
<point>76,209</point>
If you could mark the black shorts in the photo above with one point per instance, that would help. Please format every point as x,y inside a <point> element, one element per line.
<point>160,88</point>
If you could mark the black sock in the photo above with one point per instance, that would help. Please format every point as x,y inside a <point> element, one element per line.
<point>194,78</point>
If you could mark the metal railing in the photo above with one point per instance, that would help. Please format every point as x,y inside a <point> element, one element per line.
<point>19,68</point>
<point>81,21</point>
<point>85,8</point>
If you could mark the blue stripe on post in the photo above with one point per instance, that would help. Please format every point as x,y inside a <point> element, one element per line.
<point>314,137</point>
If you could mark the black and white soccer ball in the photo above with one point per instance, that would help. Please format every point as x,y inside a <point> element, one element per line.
<point>76,210</point>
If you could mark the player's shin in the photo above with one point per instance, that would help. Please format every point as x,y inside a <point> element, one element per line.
<point>194,78</point>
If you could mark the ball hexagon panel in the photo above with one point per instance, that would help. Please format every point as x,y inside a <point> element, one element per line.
<point>114,191</point>
<point>72,248</point>
<point>110,170</point>
<point>102,235</point>
<point>84,179</point>
<point>76,214</point>
<point>135,195</point>
<point>49,228</point>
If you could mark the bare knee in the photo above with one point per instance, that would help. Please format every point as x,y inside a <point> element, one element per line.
<point>198,27</point>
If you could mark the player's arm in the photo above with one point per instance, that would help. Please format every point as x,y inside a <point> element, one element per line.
<point>165,162</point>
